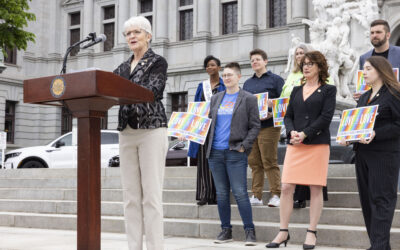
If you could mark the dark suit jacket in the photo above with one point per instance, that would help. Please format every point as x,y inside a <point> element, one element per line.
<point>245,121</point>
<point>393,57</point>
<point>387,122</point>
<point>312,116</point>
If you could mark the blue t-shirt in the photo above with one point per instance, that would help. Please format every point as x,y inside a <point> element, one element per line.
<point>223,123</point>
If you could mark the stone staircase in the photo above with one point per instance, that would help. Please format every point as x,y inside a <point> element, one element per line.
<point>46,198</point>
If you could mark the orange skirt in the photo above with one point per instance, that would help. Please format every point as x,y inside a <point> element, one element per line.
<point>306,164</point>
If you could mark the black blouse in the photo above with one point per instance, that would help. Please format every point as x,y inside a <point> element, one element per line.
<point>151,73</point>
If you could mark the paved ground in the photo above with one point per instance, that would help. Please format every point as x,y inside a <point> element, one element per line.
<point>42,239</point>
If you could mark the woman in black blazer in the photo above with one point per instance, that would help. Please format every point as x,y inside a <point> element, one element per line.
<point>307,121</point>
<point>378,158</point>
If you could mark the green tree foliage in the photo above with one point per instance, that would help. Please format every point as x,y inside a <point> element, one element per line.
<point>13,18</point>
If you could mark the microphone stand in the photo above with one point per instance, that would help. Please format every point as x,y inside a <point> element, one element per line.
<point>91,36</point>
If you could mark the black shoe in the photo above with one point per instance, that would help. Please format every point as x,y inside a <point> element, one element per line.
<point>212,202</point>
<point>276,245</point>
<point>306,246</point>
<point>202,202</point>
<point>250,237</point>
<point>224,236</point>
<point>299,204</point>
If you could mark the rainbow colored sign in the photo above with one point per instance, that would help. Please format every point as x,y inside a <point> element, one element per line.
<point>262,100</point>
<point>279,107</point>
<point>357,123</point>
<point>192,127</point>
<point>199,108</point>
<point>396,73</point>
<point>361,86</point>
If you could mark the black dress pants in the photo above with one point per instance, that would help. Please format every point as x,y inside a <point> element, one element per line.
<point>377,176</point>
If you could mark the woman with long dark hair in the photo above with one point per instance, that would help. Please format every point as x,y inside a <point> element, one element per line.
<point>205,188</point>
<point>378,158</point>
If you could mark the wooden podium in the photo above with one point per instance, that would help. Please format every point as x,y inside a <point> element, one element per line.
<point>88,95</point>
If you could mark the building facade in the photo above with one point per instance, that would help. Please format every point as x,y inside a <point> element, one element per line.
<point>184,32</point>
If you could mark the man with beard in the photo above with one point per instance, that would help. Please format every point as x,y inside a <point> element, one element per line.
<point>379,36</point>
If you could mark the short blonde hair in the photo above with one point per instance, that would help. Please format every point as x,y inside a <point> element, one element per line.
<point>138,21</point>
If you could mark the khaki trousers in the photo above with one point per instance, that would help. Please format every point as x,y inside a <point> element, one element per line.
<point>142,159</point>
<point>264,158</point>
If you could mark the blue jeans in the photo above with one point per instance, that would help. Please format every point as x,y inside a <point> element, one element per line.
<point>229,169</point>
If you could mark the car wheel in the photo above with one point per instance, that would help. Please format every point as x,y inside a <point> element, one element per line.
<point>33,164</point>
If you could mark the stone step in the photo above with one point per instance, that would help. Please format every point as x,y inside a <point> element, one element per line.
<point>340,184</point>
<point>337,184</point>
<point>336,199</point>
<point>334,170</point>
<point>328,235</point>
<point>331,216</point>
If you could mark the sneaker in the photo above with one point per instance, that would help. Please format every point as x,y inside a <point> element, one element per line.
<point>254,201</point>
<point>224,236</point>
<point>274,201</point>
<point>250,237</point>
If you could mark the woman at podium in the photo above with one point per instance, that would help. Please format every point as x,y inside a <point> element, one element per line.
<point>143,141</point>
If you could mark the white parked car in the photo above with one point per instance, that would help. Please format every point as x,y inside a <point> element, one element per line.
<point>60,153</point>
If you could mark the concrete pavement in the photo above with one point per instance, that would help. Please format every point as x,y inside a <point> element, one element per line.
<point>12,238</point>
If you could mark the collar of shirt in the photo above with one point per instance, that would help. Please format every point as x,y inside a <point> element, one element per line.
<point>268,73</point>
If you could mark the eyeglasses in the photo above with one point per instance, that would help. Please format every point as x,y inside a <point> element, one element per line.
<point>132,32</point>
<point>227,75</point>
<point>309,64</point>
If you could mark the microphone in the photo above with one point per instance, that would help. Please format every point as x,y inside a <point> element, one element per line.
<point>99,39</point>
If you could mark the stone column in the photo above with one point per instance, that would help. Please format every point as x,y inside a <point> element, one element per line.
<point>249,14</point>
<point>123,15</point>
<point>299,9</point>
<point>247,27</point>
<point>160,17</point>
<point>203,17</point>
<point>160,27</point>
<point>87,17</point>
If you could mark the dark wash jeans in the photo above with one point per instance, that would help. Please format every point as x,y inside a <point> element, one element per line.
<point>229,170</point>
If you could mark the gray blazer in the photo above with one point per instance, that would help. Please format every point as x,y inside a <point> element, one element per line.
<point>393,57</point>
<point>245,121</point>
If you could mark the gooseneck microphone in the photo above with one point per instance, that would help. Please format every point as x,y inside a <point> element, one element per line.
<point>91,37</point>
<point>99,39</point>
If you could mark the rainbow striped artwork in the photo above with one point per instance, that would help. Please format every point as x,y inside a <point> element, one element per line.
<point>279,107</point>
<point>199,108</point>
<point>192,127</point>
<point>396,73</point>
<point>262,100</point>
<point>361,86</point>
<point>357,123</point>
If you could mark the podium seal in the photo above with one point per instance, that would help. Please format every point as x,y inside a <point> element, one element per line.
<point>57,87</point>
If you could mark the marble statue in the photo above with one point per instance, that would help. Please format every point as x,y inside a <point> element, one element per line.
<point>330,34</point>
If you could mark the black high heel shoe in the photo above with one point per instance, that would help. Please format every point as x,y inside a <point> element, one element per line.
<point>306,246</point>
<point>277,245</point>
